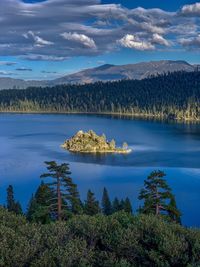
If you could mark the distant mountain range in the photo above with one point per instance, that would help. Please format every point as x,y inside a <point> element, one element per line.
<point>104,73</point>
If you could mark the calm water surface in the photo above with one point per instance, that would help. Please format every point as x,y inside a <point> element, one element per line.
<point>26,141</point>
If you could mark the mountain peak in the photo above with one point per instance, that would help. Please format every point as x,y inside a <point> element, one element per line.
<point>106,72</point>
<point>104,67</point>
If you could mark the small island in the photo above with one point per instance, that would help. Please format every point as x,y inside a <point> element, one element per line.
<point>90,142</point>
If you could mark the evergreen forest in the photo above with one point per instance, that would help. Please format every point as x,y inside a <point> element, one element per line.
<point>167,96</point>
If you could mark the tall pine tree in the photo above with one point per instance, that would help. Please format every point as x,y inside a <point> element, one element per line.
<point>157,196</point>
<point>106,204</point>
<point>116,205</point>
<point>59,175</point>
<point>38,209</point>
<point>65,191</point>
<point>73,197</point>
<point>173,211</point>
<point>127,206</point>
<point>12,205</point>
<point>91,204</point>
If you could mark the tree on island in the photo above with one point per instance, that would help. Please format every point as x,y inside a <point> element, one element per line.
<point>112,144</point>
<point>125,146</point>
<point>66,196</point>
<point>91,204</point>
<point>158,198</point>
<point>12,205</point>
<point>106,204</point>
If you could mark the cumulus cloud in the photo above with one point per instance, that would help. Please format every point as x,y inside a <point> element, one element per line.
<point>130,41</point>
<point>191,42</point>
<point>58,29</point>
<point>38,41</point>
<point>80,38</point>
<point>158,39</point>
<point>192,10</point>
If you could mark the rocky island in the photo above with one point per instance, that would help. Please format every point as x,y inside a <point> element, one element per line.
<point>90,142</point>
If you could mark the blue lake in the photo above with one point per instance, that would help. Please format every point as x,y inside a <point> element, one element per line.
<point>26,141</point>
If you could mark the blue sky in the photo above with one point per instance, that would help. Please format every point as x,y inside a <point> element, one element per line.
<point>48,39</point>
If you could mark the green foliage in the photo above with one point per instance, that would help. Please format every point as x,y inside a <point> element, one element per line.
<point>116,205</point>
<point>91,204</point>
<point>173,95</point>
<point>106,203</point>
<point>66,196</point>
<point>173,211</point>
<point>124,205</point>
<point>12,205</point>
<point>38,208</point>
<point>119,240</point>
<point>158,198</point>
<point>73,197</point>
<point>127,206</point>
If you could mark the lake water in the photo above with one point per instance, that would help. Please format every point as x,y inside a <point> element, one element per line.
<point>26,141</point>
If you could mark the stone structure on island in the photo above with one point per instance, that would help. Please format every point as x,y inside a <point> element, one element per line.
<point>90,142</point>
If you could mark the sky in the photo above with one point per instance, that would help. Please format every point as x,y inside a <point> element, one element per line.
<point>52,38</point>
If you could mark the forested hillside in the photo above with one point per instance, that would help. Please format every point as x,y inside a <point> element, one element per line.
<point>118,240</point>
<point>174,96</point>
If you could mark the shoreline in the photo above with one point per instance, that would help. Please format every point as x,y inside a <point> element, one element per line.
<point>117,114</point>
<point>128,151</point>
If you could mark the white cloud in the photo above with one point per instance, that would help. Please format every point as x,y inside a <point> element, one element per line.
<point>3,72</point>
<point>39,42</point>
<point>59,29</point>
<point>158,39</point>
<point>44,57</point>
<point>192,10</point>
<point>80,38</point>
<point>191,42</point>
<point>152,28</point>
<point>130,41</point>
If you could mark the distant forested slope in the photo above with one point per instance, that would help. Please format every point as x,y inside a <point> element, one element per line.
<point>174,95</point>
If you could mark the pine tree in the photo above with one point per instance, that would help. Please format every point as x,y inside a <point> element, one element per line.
<point>11,204</point>
<point>91,204</point>
<point>116,205</point>
<point>32,206</point>
<point>106,204</point>
<point>173,211</point>
<point>59,175</point>
<point>10,198</point>
<point>73,198</point>
<point>38,209</point>
<point>127,206</point>
<point>157,195</point>
<point>121,204</point>
<point>66,196</point>
<point>18,208</point>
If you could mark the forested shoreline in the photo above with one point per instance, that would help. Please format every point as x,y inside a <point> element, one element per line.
<point>174,96</point>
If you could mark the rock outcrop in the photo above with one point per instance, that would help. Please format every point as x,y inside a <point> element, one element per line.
<point>90,142</point>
